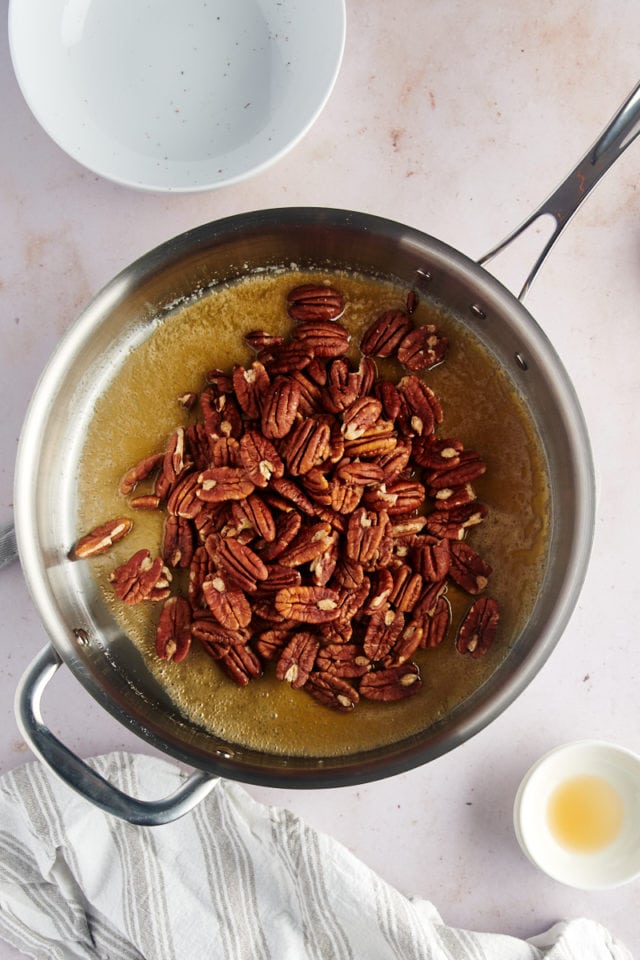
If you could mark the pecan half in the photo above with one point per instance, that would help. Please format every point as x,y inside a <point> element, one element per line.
<point>183,501</point>
<point>348,574</point>
<point>308,604</point>
<point>388,395</point>
<point>224,483</point>
<point>175,461</point>
<point>101,539</point>
<point>361,473</point>
<point>386,333</point>
<point>287,527</point>
<point>406,644</point>
<point>223,452</point>
<point>376,441</point>
<point>314,301</point>
<point>393,683</point>
<point>230,607</point>
<point>322,338</point>
<point>450,498</point>
<point>259,458</point>
<point>280,405</point>
<point>344,495</point>
<point>367,373</point>
<point>279,577</point>
<point>430,596</point>
<point>199,569</point>
<point>198,444</point>
<point>381,586</point>
<point>241,566</point>
<point>337,631</point>
<point>407,588</point>
<point>395,461</point>
<point>261,339</point>
<point>364,534</point>
<point>241,664</point>
<point>271,643</point>
<point>342,387</point>
<point>306,446</point>
<point>436,453</point>
<point>221,414</point>
<point>317,372</point>
<point>454,523</point>
<point>361,414</point>
<point>316,484</point>
<point>297,659</point>
<point>215,638</point>
<point>332,691</point>
<point>412,301</point>
<point>422,348</point>
<point>310,543</point>
<point>348,660</point>
<point>254,514</point>
<point>469,467</point>
<point>407,526</point>
<point>323,566</point>
<point>431,558</point>
<point>177,544</point>
<point>173,633</point>
<point>141,578</point>
<point>436,624</point>
<point>250,385</point>
<point>384,628</point>
<point>352,601</point>
<point>423,406</point>
<point>310,394</point>
<point>289,491</point>
<point>140,471</point>
<point>468,569</point>
<point>290,358</point>
<point>398,499</point>
<point>147,501</point>
<point>478,628</point>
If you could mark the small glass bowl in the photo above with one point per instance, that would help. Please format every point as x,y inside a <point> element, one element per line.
<point>610,865</point>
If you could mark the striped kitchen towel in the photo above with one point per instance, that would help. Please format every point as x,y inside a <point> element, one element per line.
<point>232,880</point>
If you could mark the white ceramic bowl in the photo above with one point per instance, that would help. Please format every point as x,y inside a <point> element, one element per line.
<point>612,864</point>
<point>176,95</point>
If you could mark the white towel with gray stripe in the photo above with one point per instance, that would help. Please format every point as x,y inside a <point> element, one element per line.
<point>232,880</point>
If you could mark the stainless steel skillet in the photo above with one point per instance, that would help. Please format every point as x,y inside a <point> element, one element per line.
<point>82,634</point>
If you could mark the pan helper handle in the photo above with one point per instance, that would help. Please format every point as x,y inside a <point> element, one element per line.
<point>565,200</point>
<point>80,776</point>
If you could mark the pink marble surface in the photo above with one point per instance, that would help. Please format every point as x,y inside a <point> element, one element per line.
<point>457,118</point>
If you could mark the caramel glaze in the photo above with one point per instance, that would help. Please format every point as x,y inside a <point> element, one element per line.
<point>139,410</point>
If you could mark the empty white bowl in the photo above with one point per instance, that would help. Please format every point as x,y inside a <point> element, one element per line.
<point>176,95</point>
<point>577,814</point>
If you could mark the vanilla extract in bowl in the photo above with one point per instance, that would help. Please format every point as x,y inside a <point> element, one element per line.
<point>482,408</point>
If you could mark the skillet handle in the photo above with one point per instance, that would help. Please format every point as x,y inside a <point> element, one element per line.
<point>619,133</point>
<point>81,777</point>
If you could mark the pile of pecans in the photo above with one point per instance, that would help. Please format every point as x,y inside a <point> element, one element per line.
<point>318,513</point>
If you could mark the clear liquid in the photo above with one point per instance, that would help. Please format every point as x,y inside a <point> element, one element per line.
<point>585,813</point>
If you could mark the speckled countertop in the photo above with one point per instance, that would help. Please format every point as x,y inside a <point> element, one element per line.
<point>457,118</point>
